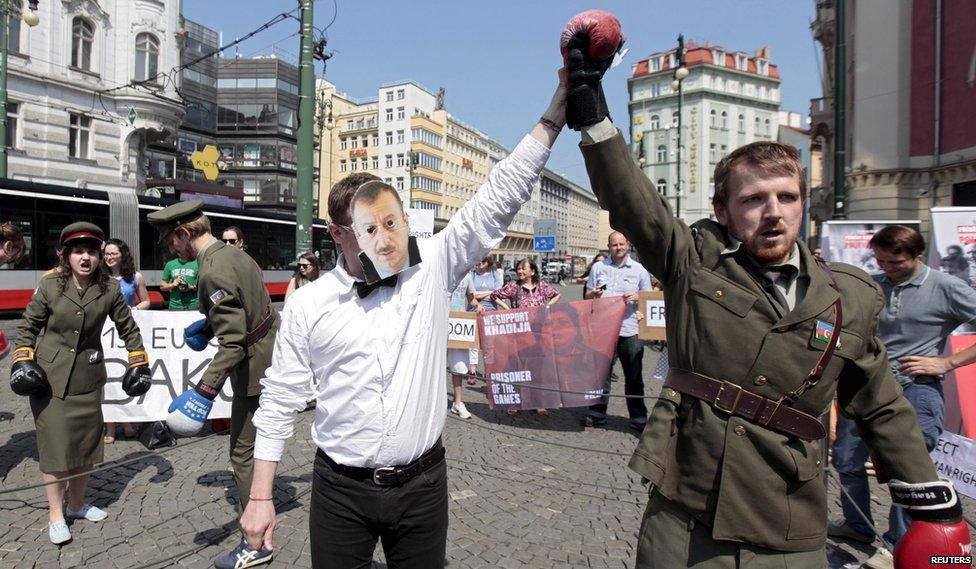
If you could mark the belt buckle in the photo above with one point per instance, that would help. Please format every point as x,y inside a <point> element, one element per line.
<point>378,472</point>
<point>718,397</point>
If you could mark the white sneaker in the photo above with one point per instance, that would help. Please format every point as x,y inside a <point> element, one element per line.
<point>460,410</point>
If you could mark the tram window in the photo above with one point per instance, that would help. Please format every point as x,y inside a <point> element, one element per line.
<point>323,245</point>
<point>20,212</point>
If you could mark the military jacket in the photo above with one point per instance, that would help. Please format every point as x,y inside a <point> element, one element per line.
<point>748,483</point>
<point>70,351</point>
<point>233,298</point>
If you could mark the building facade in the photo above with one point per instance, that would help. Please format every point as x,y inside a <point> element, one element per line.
<point>728,99</point>
<point>910,129</point>
<point>88,91</point>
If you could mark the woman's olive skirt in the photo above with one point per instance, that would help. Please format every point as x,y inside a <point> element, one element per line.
<point>69,430</point>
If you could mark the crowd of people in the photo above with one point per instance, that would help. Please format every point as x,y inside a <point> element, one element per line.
<point>735,425</point>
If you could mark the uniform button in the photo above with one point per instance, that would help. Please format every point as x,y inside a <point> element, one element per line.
<point>78,313</point>
<point>783,329</point>
<point>818,462</point>
<point>718,294</point>
<point>739,430</point>
<point>72,350</point>
<point>672,393</point>
<point>76,331</point>
<point>760,380</point>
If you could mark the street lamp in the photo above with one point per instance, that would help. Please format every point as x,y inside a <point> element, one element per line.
<point>8,7</point>
<point>679,76</point>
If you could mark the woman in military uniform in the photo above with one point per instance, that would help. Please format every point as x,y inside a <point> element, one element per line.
<point>72,305</point>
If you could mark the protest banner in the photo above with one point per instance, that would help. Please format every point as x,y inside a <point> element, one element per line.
<point>175,368</point>
<point>953,243</point>
<point>955,459</point>
<point>959,387</point>
<point>651,304</point>
<point>462,330</point>
<point>566,347</point>
<point>847,241</point>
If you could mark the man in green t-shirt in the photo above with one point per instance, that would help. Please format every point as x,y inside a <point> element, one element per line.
<point>180,281</point>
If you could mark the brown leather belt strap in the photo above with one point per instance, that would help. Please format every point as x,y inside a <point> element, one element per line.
<point>732,399</point>
<point>254,336</point>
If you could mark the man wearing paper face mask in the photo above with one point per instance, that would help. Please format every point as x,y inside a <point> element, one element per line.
<point>381,227</point>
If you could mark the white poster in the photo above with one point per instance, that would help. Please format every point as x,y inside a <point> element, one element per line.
<point>175,368</point>
<point>847,241</point>
<point>955,459</point>
<point>953,246</point>
<point>421,223</point>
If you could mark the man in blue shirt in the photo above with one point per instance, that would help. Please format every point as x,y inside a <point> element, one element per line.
<point>619,275</point>
<point>922,307</point>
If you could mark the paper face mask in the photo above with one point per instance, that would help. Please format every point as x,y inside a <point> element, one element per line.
<point>382,232</point>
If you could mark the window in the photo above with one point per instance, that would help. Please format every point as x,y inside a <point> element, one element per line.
<point>725,120</point>
<point>13,121</point>
<point>389,96</point>
<point>768,130</point>
<point>342,165</point>
<point>267,83</point>
<point>147,57</point>
<point>376,139</point>
<point>399,184</point>
<point>711,153</point>
<point>762,91</point>
<point>655,122</point>
<point>712,121</point>
<point>389,114</point>
<point>365,141</point>
<point>79,136</point>
<point>400,160</point>
<point>742,123</point>
<point>354,142</point>
<point>364,164</point>
<point>400,137</point>
<point>82,38</point>
<point>662,186</point>
<point>389,160</point>
<point>376,162</point>
<point>655,64</point>
<point>401,94</point>
<point>757,125</point>
<point>13,23</point>
<point>725,150</point>
<point>655,89</point>
<point>352,164</point>
<point>401,113</point>
<point>662,153</point>
<point>674,118</point>
<point>349,125</point>
<point>343,144</point>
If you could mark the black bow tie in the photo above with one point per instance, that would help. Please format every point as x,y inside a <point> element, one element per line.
<point>364,289</point>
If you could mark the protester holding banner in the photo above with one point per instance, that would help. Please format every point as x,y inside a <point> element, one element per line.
<point>306,272</point>
<point>486,278</point>
<point>239,314</point>
<point>118,263</point>
<point>529,290</point>
<point>620,275</point>
<point>12,245</point>
<point>923,306</point>
<point>65,375</point>
<point>378,351</point>
<point>758,331</point>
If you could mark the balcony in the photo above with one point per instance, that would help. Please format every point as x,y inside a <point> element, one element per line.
<point>824,25</point>
<point>822,112</point>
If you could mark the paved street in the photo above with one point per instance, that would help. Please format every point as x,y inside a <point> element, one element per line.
<point>525,492</point>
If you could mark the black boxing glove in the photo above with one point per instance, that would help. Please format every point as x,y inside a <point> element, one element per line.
<point>588,44</point>
<point>138,378</point>
<point>26,377</point>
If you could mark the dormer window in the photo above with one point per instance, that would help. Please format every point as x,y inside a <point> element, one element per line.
<point>741,62</point>
<point>763,66</point>
<point>718,57</point>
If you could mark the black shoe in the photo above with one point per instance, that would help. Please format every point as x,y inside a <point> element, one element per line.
<point>592,422</point>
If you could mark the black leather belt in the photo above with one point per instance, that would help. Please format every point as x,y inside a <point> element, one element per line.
<point>390,475</point>
<point>926,379</point>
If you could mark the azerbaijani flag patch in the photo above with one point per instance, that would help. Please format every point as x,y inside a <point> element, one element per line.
<point>823,332</point>
<point>221,293</point>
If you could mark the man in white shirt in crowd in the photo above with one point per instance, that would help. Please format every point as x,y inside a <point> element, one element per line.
<point>378,353</point>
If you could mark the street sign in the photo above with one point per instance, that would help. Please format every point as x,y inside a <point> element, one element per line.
<point>544,243</point>
<point>132,116</point>
<point>206,161</point>
<point>542,227</point>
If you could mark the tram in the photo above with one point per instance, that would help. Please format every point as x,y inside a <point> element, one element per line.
<point>42,210</point>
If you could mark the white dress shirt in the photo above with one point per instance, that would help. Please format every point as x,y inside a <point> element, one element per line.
<point>380,361</point>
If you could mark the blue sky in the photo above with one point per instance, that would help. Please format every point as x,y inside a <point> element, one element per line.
<point>497,59</point>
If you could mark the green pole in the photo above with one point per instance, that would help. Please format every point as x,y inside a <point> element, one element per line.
<point>5,15</point>
<point>840,104</point>
<point>306,135</point>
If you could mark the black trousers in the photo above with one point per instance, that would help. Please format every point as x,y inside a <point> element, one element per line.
<point>348,516</point>
<point>630,350</point>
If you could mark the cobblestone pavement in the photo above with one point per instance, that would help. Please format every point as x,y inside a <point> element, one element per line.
<point>520,494</point>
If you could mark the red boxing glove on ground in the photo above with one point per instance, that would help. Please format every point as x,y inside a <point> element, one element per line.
<point>603,29</point>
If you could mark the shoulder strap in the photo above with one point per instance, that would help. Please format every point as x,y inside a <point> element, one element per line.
<point>817,371</point>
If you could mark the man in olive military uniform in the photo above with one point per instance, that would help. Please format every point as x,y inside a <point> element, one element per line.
<point>758,331</point>
<point>239,314</point>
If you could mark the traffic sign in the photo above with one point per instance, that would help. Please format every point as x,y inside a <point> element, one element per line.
<point>544,243</point>
<point>542,227</point>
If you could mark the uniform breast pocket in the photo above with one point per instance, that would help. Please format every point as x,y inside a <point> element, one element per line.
<point>715,295</point>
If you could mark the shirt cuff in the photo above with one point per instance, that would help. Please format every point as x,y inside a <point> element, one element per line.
<point>268,449</point>
<point>603,130</point>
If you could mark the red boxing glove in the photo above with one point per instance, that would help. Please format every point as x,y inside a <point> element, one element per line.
<point>926,541</point>
<point>603,29</point>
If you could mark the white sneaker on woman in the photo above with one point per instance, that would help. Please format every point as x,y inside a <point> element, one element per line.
<point>460,410</point>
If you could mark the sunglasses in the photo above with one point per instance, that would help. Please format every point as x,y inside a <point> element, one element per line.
<point>230,241</point>
<point>303,265</point>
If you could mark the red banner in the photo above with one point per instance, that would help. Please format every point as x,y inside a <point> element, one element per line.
<point>567,347</point>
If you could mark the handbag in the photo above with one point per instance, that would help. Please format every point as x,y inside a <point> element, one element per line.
<point>156,435</point>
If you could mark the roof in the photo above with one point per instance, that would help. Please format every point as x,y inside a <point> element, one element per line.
<point>702,55</point>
